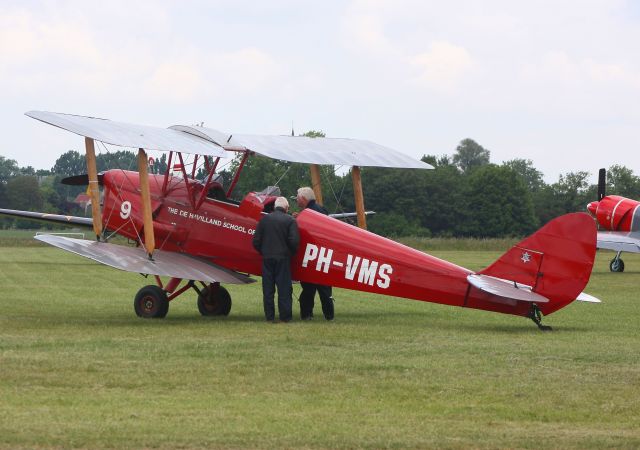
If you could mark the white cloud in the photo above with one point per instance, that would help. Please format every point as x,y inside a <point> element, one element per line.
<point>202,75</point>
<point>246,69</point>
<point>175,82</point>
<point>442,66</point>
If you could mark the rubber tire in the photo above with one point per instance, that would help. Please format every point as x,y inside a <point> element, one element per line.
<point>218,304</point>
<point>151,302</point>
<point>619,267</point>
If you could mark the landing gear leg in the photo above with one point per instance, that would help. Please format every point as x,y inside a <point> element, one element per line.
<point>616,264</point>
<point>536,316</point>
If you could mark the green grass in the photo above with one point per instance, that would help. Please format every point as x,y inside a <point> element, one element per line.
<point>79,370</point>
<point>24,238</point>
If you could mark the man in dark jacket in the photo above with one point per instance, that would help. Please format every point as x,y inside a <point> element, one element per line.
<point>277,239</point>
<point>307,199</point>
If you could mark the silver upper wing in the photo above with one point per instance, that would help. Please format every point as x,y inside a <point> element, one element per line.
<point>619,241</point>
<point>128,134</point>
<point>207,141</point>
<point>302,149</point>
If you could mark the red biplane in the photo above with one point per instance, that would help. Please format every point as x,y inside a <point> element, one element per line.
<point>619,218</point>
<point>190,231</point>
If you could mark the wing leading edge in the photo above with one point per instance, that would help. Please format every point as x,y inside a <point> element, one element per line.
<point>129,259</point>
<point>128,134</point>
<point>303,149</point>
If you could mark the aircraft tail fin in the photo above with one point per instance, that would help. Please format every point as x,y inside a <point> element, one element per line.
<point>555,262</point>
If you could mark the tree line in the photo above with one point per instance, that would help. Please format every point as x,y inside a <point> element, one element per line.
<point>466,195</point>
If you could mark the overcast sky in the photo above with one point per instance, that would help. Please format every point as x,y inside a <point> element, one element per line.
<point>557,82</point>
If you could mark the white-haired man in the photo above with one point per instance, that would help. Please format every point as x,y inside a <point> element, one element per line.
<point>307,199</point>
<point>277,239</point>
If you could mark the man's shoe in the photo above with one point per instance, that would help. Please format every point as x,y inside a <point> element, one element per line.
<point>306,318</point>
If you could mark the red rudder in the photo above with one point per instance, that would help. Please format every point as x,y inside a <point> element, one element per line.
<point>556,261</point>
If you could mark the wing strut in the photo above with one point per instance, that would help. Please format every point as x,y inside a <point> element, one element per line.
<point>358,196</point>
<point>94,189</point>
<point>316,184</point>
<point>149,239</point>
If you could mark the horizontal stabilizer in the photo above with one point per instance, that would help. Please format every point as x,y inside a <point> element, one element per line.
<point>46,217</point>
<point>505,288</point>
<point>130,259</point>
<point>619,241</point>
<point>588,298</point>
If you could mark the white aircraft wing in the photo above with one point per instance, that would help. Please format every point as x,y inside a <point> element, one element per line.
<point>131,259</point>
<point>130,135</point>
<point>619,241</point>
<point>302,149</point>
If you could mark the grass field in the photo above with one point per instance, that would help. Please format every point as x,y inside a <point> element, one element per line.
<point>78,369</point>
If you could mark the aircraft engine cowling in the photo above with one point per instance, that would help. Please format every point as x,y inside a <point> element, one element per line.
<point>615,213</point>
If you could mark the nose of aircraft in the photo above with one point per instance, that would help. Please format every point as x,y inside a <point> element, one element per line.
<point>592,207</point>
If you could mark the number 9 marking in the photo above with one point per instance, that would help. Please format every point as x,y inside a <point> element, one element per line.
<point>125,210</point>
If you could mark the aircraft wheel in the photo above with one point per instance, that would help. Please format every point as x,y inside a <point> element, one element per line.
<point>151,302</point>
<point>616,265</point>
<point>214,302</point>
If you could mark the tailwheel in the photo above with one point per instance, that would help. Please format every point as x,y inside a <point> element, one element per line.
<point>151,302</point>
<point>214,300</point>
<point>536,315</point>
<point>616,265</point>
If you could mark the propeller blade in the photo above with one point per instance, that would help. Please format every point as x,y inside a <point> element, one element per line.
<point>602,184</point>
<point>80,180</point>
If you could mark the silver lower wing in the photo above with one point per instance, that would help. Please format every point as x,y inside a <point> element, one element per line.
<point>619,241</point>
<point>130,259</point>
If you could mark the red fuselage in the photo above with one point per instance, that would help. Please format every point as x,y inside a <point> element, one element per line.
<point>331,252</point>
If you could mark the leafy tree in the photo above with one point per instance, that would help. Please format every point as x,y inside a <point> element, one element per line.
<point>314,134</point>
<point>469,155</point>
<point>8,169</point>
<point>531,176</point>
<point>121,159</point>
<point>23,192</point>
<point>70,163</point>
<point>622,181</point>
<point>393,224</point>
<point>573,191</point>
<point>501,204</point>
